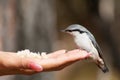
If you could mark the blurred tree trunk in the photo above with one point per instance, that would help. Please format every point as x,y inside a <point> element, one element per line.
<point>37,25</point>
<point>8,25</point>
<point>28,24</point>
<point>8,28</point>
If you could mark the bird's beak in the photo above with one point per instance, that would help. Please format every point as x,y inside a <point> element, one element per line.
<point>63,30</point>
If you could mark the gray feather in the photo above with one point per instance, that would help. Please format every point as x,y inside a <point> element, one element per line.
<point>92,38</point>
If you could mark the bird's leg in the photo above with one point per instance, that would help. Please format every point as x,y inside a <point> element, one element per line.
<point>87,58</point>
<point>90,56</point>
<point>90,53</point>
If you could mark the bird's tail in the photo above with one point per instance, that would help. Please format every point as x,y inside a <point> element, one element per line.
<point>103,67</point>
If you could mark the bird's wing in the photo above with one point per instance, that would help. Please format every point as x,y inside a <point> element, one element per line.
<point>92,38</point>
<point>104,68</point>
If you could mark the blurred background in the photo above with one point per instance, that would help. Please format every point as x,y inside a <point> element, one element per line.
<point>36,25</point>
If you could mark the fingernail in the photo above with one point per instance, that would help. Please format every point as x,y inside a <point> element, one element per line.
<point>36,67</point>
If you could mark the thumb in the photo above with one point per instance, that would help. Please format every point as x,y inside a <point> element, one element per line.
<point>30,64</point>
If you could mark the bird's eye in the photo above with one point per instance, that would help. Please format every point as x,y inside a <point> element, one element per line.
<point>81,31</point>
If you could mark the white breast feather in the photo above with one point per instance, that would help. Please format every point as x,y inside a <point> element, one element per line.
<point>83,42</point>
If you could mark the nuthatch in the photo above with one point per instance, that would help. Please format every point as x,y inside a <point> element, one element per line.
<point>86,41</point>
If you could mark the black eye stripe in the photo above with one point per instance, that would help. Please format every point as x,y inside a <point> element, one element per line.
<point>75,30</point>
<point>68,30</point>
<point>78,31</point>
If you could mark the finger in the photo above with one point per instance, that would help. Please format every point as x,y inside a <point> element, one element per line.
<point>35,66</point>
<point>28,66</point>
<point>77,55</point>
<point>74,51</point>
<point>72,56</point>
<point>56,53</point>
<point>25,64</point>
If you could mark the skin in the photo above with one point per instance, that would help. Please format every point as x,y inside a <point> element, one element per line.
<point>11,63</point>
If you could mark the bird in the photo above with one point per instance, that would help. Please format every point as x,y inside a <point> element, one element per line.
<point>85,40</point>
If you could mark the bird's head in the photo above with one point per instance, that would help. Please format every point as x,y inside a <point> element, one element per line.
<point>75,29</point>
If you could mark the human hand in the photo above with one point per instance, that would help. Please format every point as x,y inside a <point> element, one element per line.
<point>11,63</point>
